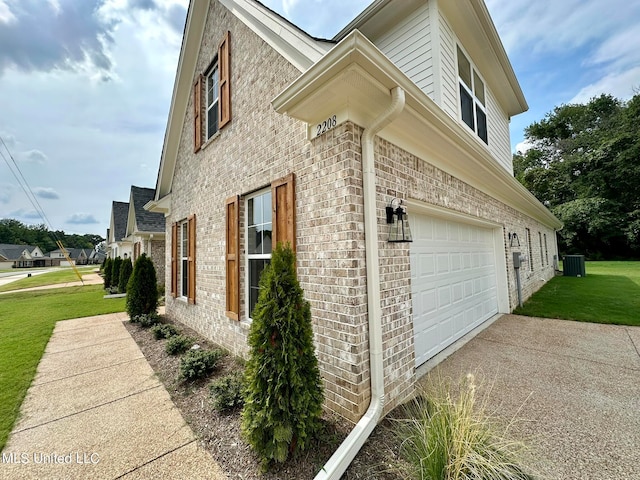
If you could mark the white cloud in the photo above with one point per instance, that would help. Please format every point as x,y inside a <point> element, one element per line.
<point>25,214</point>
<point>82,219</point>
<point>6,16</point>
<point>48,193</point>
<point>619,84</point>
<point>33,156</point>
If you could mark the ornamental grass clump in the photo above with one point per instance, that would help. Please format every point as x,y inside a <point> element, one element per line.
<point>283,394</point>
<point>446,438</point>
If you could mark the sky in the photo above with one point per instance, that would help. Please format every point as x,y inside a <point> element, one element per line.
<point>85,86</point>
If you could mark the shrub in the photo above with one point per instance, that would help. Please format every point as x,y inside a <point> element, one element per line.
<point>106,272</point>
<point>199,363</point>
<point>227,392</point>
<point>178,344</point>
<point>125,273</point>
<point>146,320</point>
<point>164,330</point>
<point>283,397</point>
<point>448,438</point>
<point>142,289</point>
<point>115,272</point>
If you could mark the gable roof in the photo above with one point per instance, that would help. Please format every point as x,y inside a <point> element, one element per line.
<point>139,219</point>
<point>304,51</point>
<point>119,213</point>
<point>14,252</point>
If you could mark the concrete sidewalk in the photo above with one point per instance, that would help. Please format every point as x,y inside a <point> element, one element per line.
<point>96,410</point>
<point>575,388</point>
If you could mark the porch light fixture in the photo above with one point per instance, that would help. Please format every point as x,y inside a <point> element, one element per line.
<point>398,222</point>
<point>514,240</point>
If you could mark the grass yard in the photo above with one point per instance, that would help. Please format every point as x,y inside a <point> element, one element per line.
<point>26,323</point>
<point>610,293</point>
<point>50,278</point>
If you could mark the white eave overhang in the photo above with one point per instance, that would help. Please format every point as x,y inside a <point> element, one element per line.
<point>354,82</point>
<point>159,206</point>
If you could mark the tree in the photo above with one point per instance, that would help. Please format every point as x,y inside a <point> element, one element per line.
<point>125,273</point>
<point>284,395</point>
<point>106,272</point>
<point>115,271</point>
<point>142,289</point>
<point>585,166</point>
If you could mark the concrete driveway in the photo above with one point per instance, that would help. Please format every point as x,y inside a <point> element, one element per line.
<point>574,386</point>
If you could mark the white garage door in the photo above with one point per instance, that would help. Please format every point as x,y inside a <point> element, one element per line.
<point>453,282</point>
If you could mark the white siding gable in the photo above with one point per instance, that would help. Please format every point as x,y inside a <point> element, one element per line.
<point>448,69</point>
<point>498,126</point>
<point>408,45</point>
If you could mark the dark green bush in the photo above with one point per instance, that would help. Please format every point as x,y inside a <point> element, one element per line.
<point>142,289</point>
<point>227,393</point>
<point>115,273</point>
<point>199,363</point>
<point>178,344</point>
<point>106,272</point>
<point>125,273</point>
<point>164,330</point>
<point>283,397</point>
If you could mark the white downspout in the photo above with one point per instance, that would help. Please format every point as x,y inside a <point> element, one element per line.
<point>346,452</point>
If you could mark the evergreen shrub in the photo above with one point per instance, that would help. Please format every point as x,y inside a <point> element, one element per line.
<point>126,269</point>
<point>142,289</point>
<point>199,363</point>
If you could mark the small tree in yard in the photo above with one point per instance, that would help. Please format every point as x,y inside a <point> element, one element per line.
<point>106,272</point>
<point>125,273</point>
<point>283,397</point>
<point>142,289</point>
<point>115,272</point>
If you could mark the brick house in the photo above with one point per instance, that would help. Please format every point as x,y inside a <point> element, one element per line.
<point>145,230</point>
<point>274,135</point>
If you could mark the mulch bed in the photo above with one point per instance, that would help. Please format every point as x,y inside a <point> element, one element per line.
<point>219,433</point>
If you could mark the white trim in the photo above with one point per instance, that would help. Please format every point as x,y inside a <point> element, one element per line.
<point>253,256</point>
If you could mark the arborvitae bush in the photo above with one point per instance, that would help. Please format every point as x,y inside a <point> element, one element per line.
<point>125,273</point>
<point>283,396</point>
<point>227,393</point>
<point>115,272</point>
<point>142,289</point>
<point>106,272</point>
<point>178,344</point>
<point>199,363</point>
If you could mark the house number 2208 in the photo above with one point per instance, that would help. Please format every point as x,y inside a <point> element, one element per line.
<point>328,124</point>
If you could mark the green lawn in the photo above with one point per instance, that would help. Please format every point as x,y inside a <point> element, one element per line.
<point>610,293</point>
<point>51,278</point>
<point>26,323</point>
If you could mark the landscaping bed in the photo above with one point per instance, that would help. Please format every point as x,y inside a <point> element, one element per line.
<point>219,433</point>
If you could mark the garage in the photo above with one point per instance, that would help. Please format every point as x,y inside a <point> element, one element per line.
<point>454,284</point>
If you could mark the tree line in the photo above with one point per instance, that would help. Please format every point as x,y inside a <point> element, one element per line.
<point>17,233</point>
<point>584,165</point>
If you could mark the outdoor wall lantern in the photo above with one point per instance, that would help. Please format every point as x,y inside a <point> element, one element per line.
<point>514,240</point>
<point>398,222</point>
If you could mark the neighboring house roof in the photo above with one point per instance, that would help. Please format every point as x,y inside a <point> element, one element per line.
<point>139,219</point>
<point>119,214</point>
<point>74,252</point>
<point>14,252</point>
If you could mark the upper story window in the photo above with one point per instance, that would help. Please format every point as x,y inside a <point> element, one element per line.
<point>472,97</point>
<point>213,96</point>
<point>216,88</point>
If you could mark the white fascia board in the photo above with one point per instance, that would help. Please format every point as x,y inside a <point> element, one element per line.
<point>159,206</point>
<point>293,44</point>
<point>450,148</point>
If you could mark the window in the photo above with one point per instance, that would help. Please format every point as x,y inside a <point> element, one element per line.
<point>472,97</point>
<point>215,85</point>
<point>269,218</point>
<point>546,250</point>
<point>530,249</point>
<point>541,250</point>
<point>183,259</point>
<point>212,101</point>
<point>258,235</point>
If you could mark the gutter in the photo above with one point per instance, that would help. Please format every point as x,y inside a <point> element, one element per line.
<point>346,452</point>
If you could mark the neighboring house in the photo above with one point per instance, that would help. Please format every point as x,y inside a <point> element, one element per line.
<point>96,257</point>
<point>274,135</point>
<point>21,256</point>
<point>117,244</point>
<point>146,230</point>
<point>78,256</point>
